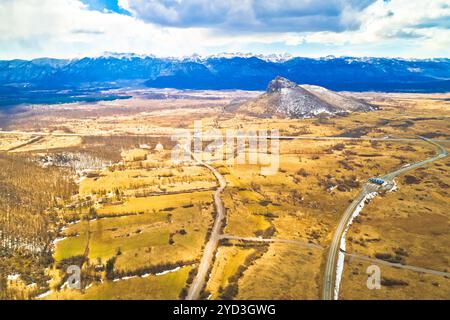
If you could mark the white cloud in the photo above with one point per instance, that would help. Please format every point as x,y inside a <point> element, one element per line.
<point>251,15</point>
<point>393,20</point>
<point>67,28</point>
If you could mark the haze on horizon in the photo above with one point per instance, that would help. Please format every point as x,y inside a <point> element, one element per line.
<point>75,28</point>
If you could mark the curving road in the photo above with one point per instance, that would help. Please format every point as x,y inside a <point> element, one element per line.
<point>208,253</point>
<point>329,285</point>
<point>331,263</point>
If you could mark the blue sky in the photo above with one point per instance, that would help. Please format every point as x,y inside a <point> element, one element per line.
<point>74,28</point>
<point>106,6</point>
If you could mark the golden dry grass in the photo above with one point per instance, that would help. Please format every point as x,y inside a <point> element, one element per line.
<point>295,203</point>
<point>417,286</point>
<point>410,225</point>
<point>228,260</point>
<point>284,272</point>
<point>163,287</point>
<point>51,142</point>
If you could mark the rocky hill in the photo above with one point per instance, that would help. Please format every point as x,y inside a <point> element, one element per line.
<point>284,98</point>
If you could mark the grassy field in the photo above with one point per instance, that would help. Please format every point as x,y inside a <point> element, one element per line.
<point>162,287</point>
<point>228,262</point>
<point>143,238</point>
<point>51,142</point>
<point>314,185</point>
<point>145,212</point>
<point>152,180</point>
<point>410,227</point>
<point>284,272</point>
<point>12,141</point>
<point>155,203</point>
<point>395,284</point>
<point>137,235</point>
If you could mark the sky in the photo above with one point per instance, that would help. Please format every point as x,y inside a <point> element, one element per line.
<point>77,28</point>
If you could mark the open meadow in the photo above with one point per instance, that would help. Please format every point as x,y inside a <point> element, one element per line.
<point>136,222</point>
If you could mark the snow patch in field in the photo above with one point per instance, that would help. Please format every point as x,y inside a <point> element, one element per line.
<point>341,254</point>
<point>147,275</point>
<point>124,278</point>
<point>13,277</point>
<point>394,187</point>
<point>43,295</point>
<point>331,188</point>
<point>167,271</point>
<point>58,240</point>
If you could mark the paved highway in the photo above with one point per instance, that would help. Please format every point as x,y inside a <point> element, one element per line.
<point>332,257</point>
<point>329,284</point>
<point>209,251</point>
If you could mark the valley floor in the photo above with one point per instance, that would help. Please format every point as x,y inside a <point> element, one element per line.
<point>136,222</point>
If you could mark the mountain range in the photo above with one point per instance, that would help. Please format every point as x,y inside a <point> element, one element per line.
<point>226,71</point>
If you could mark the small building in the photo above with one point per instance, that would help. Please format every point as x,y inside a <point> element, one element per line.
<point>377,181</point>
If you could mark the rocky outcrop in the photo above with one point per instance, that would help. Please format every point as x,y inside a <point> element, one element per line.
<point>284,98</point>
